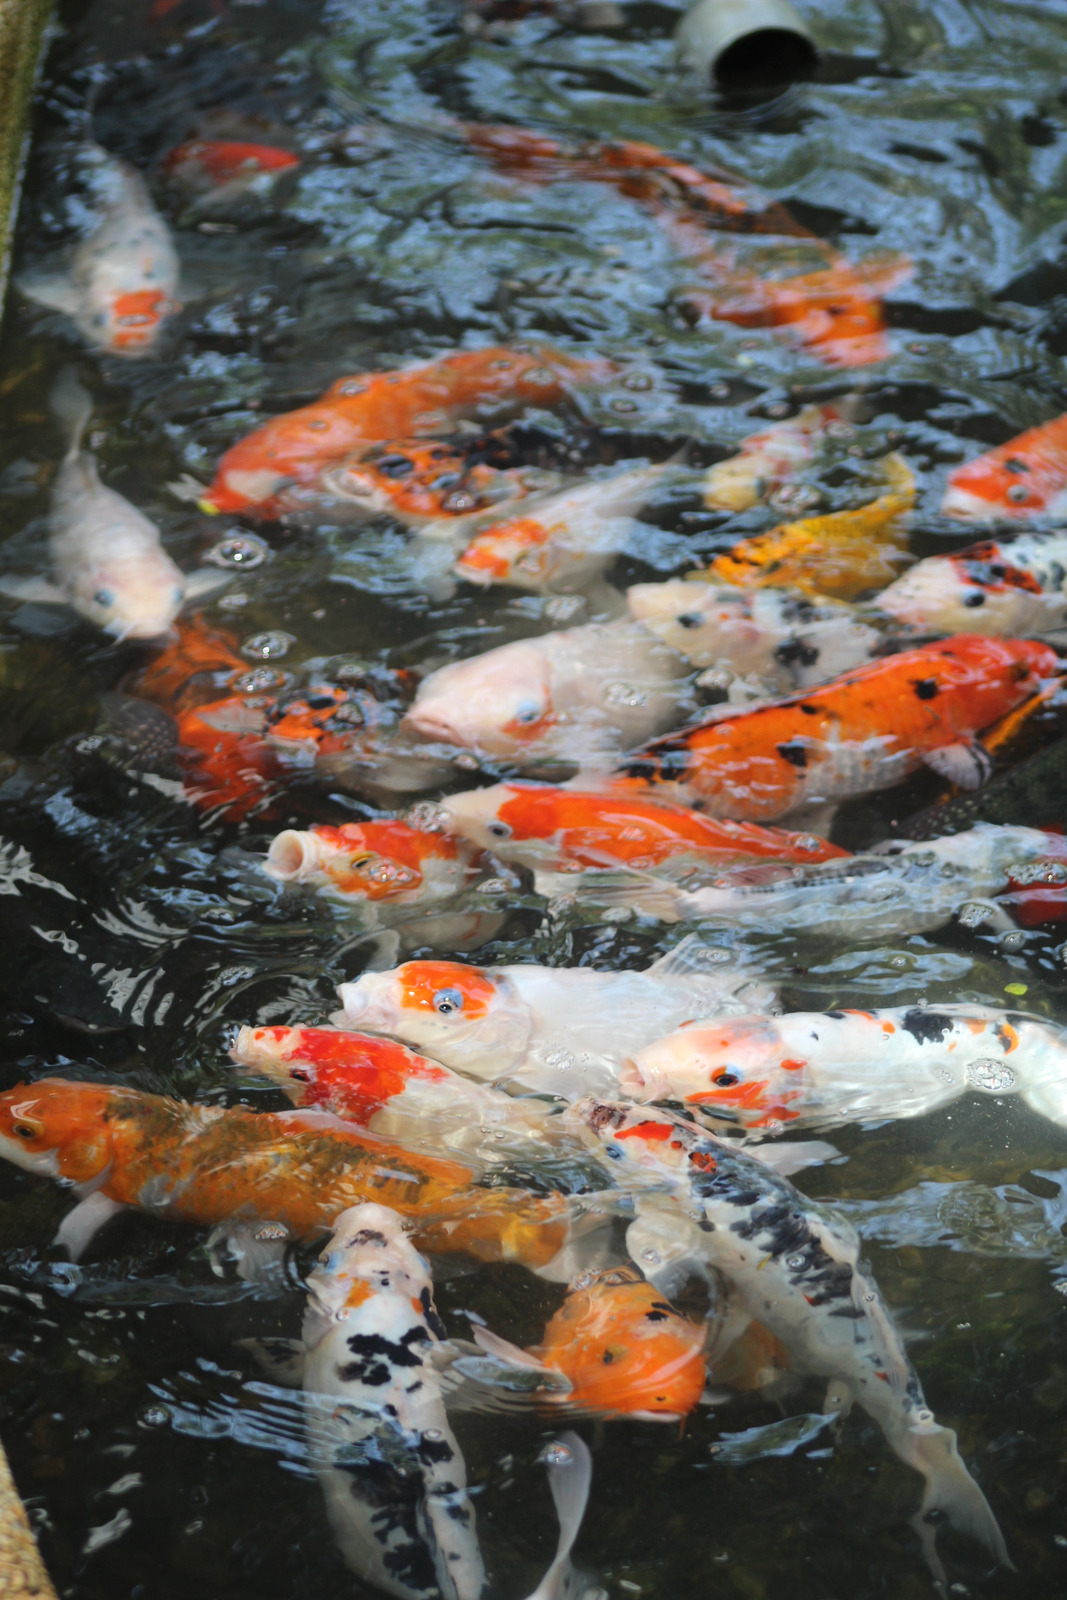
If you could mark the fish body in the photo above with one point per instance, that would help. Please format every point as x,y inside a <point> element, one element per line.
<point>1010,587</point>
<point>794,1267</point>
<point>555,1030</point>
<point>1023,479</point>
<point>623,1348</point>
<point>565,831</point>
<point>840,555</point>
<point>419,402</point>
<point>217,172</point>
<point>296,1170</point>
<point>396,1093</point>
<point>773,457</point>
<point>906,888</point>
<point>122,285</point>
<point>565,540</point>
<point>577,695</point>
<point>849,1066</point>
<point>784,639</point>
<point>379,1439</point>
<point>865,731</point>
<point>435,486</point>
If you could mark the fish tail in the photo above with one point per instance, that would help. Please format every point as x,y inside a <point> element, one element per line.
<point>950,1489</point>
<point>72,407</point>
<point>570,1473</point>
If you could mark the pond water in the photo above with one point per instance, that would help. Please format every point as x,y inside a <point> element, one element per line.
<point>139,930</point>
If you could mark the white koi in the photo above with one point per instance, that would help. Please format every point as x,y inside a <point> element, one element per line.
<point>1008,587</point>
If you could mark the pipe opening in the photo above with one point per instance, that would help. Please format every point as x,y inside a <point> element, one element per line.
<point>770,55</point>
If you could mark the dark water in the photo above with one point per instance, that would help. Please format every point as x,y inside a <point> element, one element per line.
<point>136,932</point>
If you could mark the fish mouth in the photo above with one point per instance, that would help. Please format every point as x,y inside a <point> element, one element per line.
<point>973,507</point>
<point>633,1083</point>
<point>429,724</point>
<point>293,856</point>
<point>365,1006</point>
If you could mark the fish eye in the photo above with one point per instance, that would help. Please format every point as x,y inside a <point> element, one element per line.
<point>527,712</point>
<point>499,830</point>
<point>446,1001</point>
<point>1018,492</point>
<point>725,1080</point>
<point>613,1151</point>
<point>301,1074</point>
<point>104,597</point>
<point>25,1130</point>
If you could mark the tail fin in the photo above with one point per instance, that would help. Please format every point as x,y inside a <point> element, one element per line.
<point>950,1489</point>
<point>72,407</point>
<point>570,1473</point>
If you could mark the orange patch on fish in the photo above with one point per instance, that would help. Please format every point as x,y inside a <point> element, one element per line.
<point>422,984</point>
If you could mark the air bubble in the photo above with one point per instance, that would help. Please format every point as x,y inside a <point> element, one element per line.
<point>992,1076</point>
<point>154,1417</point>
<point>557,1455</point>
<point>651,1256</point>
<point>238,550</point>
<point>432,1433</point>
<point>268,646</point>
<point>796,1262</point>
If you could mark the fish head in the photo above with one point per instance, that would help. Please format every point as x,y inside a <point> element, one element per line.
<point>467,1017</point>
<point>368,1253</point>
<point>999,486</point>
<point>135,596</point>
<point>634,1136</point>
<point>625,1349</point>
<point>57,1129</point>
<point>353,1074</point>
<point>517,821</point>
<point>289,449</point>
<point>375,861</point>
<point>735,1070</point>
<point>499,703</point>
<point>514,552</point>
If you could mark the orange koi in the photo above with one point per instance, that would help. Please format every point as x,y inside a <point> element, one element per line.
<point>207,1165</point>
<point>421,480</point>
<point>624,1349</point>
<point>840,555</point>
<point>564,830</point>
<point>367,408</point>
<point>220,161</point>
<point>1027,477</point>
<point>864,731</point>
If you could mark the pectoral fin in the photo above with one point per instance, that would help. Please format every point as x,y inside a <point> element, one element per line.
<point>281,1359</point>
<point>968,764</point>
<point>80,1226</point>
<point>50,289</point>
<point>33,589</point>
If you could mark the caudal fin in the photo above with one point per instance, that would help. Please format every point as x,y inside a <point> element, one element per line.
<point>570,1473</point>
<point>72,407</point>
<point>950,1490</point>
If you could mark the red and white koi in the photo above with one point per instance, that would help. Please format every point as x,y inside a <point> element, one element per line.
<point>774,457</point>
<point>217,172</point>
<point>122,283</point>
<point>1025,478</point>
<point>829,1067</point>
<point>1016,586</point>
<point>865,731</point>
<point>793,1266</point>
<point>373,863</point>
<point>556,1030</point>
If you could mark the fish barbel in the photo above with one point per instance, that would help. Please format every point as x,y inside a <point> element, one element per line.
<point>551,1030</point>
<point>865,731</point>
<point>122,285</point>
<point>830,1067</point>
<point>368,408</point>
<point>794,1266</point>
<point>297,1170</point>
<point>1025,478</point>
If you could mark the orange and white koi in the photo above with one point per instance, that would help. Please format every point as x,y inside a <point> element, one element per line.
<point>840,555</point>
<point>373,862</point>
<point>773,457</point>
<point>780,639</point>
<point>553,1030</point>
<point>122,283</point>
<point>865,731</point>
<point>564,541</point>
<point>1025,478</point>
<point>834,310</point>
<point>298,1170</point>
<point>794,1267</point>
<point>435,486</point>
<point>624,1350</point>
<point>578,695</point>
<point>1016,586</point>
<point>216,172</point>
<point>265,473</point>
<point>396,1093</point>
<point>829,1067</point>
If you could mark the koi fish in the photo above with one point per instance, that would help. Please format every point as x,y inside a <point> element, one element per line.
<point>552,1030</point>
<point>1020,587</point>
<point>784,640</point>
<point>437,487</point>
<point>297,1170</point>
<point>564,541</point>
<point>289,452</point>
<point>566,831</point>
<point>794,1267</point>
<point>122,283</point>
<point>397,1094</point>
<point>835,310</point>
<point>1027,477</point>
<point>903,888</point>
<point>577,695</point>
<point>216,172</point>
<point>773,457</point>
<point>840,555</point>
<point>373,861</point>
<point>107,560</point>
<point>865,731</point>
<point>624,1349</point>
<point>830,1067</point>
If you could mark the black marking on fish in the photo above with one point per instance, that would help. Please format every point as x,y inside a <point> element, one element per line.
<point>926,688</point>
<point>433,1451</point>
<point>796,653</point>
<point>795,752</point>
<point>377,1357</point>
<point>433,1321</point>
<point>689,619</point>
<point>808,709</point>
<point>927,1027</point>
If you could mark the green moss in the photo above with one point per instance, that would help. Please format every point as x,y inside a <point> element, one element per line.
<point>22,32</point>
